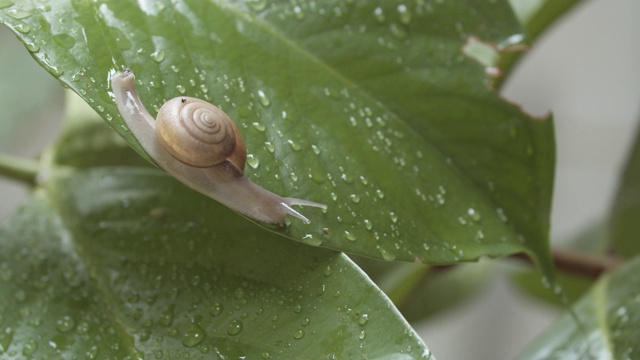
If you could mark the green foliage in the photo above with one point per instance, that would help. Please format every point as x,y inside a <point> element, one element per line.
<point>380,110</point>
<point>624,225</point>
<point>113,268</point>
<point>608,316</point>
<point>422,162</point>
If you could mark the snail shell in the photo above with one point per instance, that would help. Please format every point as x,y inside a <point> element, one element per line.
<point>198,144</point>
<point>199,133</point>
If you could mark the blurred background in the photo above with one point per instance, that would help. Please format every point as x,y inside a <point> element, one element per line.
<point>586,70</point>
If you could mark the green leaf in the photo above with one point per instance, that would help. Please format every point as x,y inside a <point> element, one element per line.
<point>100,265</point>
<point>535,16</point>
<point>624,225</point>
<point>420,291</point>
<point>609,318</point>
<point>592,242</point>
<point>372,109</point>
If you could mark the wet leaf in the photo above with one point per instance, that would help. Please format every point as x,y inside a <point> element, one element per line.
<point>372,109</point>
<point>99,265</point>
<point>609,318</point>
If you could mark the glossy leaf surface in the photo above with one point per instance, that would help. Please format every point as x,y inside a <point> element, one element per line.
<point>609,318</point>
<point>371,109</point>
<point>99,265</point>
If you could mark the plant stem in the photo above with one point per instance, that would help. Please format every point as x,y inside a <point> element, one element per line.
<point>585,265</point>
<point>19,169</point>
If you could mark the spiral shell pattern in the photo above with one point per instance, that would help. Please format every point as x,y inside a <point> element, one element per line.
<point>199,134</point>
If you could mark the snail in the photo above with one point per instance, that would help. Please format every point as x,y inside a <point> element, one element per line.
<point>199,144</point>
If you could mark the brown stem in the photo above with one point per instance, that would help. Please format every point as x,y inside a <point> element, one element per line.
<point>581,264</point>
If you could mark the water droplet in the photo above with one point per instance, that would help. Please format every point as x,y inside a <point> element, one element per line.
<point>194,336</point>
<point>398,31</point>
<point>405,14</point>
<point>378,13</point>
<point>297,11</point>
<point>181,89</point>
<point>349,236</point>
<point>474,215</point>
<point>29,347</point>
<point>311,240</point>
<point>66,324</point>
<point>315,149</point>
<point>387,255</point>
<point>293,176</point>
<point>166,317</point>
<point>362,335</point>
<point>501,215</point>
<point>298,334</point>
<point>347,178</point>
<point>235,327</point>
<point>294,145</point>
<point>393,216</point>
<point>239,293</point>
<point>263,99</point>
<point>157,56</point>
<point>32,47</point>
<point>259,126</point>
<point>253,161</point>
<point>23,28</point>
<point>355,198</point>
<point>363,319</point>
<point>367,224</point>
<point>18,14</point>
<point>6,337</point>
<point>380,194</point>
<point>269,146</point>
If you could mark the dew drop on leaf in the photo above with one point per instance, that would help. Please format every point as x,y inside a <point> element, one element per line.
<point>259,126</point>
<point>298,334</point>
<point>23,28</point>
<point>253,161</point>
<point>18,13</point>
<point>378,14</point>
<point>363,319</point>
<point>263,99</point>
<point>297,11</point>
<point>349,236</point>
<point>157,56</point>
<point>65,324</point>
<point>194,336</point>
<point>269,146</point>
<point>235,327</point>
<point>29,347</point>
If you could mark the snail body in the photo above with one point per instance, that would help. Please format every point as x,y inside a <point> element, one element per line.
<point>198,144</point>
